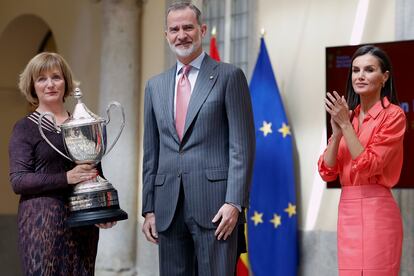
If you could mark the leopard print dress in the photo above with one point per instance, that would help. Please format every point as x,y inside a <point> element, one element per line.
<point>47,246</point>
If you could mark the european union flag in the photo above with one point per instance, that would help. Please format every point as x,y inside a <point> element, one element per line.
<point>272,220</point>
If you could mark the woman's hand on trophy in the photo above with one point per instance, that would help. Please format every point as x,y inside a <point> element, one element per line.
<point>106,225</point>
<point>81,173</point>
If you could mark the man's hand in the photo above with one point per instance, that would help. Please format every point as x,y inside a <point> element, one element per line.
<point>149,229</point>
<point>229,216</point>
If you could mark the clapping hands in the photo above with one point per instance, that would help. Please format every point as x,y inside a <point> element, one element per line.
<point>337,107</point>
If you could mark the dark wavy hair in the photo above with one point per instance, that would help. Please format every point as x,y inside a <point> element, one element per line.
<point>388,90</point>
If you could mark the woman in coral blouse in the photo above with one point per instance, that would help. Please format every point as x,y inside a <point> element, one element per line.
<point>366,151</point>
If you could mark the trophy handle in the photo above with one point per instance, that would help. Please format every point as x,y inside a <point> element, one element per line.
<point>109,119</point>
<point>44,136</point>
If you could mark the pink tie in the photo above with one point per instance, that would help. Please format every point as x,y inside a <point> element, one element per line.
<point>183,98</point>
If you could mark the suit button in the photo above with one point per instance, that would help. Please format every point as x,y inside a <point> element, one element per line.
<point>179,175</point>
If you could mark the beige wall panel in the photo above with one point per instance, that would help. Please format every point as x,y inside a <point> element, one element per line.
<point>152,51</point>
<point>152,58</point>
<point>76,27</point>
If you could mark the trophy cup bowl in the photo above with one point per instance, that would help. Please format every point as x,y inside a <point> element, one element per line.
<point>84,136</point>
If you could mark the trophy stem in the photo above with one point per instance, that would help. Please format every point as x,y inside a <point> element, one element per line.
<point>96,184</point>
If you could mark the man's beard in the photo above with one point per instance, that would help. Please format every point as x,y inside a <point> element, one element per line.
<point>185,52</point>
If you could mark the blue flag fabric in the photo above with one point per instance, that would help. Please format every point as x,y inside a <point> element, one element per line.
<point>272,220</point>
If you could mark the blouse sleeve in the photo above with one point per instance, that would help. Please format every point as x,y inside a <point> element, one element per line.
<point>23,177</point>
<point>328,173</point>
<point>384,153</point>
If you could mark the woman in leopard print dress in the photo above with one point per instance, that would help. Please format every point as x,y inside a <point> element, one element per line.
<point>43,178</point>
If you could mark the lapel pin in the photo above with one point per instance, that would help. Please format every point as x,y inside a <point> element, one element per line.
<point>211,77</point>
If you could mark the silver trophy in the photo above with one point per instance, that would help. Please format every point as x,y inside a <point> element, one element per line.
<point>84,136</point>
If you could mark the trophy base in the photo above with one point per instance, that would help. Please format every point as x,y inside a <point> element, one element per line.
<point>84,218</point>
<point>93,202</point>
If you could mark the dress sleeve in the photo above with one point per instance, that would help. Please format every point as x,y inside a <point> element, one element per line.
<point>23,176</point>
<point>328,173</point>
<point>384,151</point>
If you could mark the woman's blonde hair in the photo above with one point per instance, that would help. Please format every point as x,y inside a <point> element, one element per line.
<point>41,63</point>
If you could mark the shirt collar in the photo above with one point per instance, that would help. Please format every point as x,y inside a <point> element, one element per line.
<point>196,63</point>
<point>376,109</point>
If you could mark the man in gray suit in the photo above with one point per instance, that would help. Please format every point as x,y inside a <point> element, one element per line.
<point>199,144</point>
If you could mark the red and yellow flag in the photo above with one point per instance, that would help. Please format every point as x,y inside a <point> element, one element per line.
<point>243,265</point>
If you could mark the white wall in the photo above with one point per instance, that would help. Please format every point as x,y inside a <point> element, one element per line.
<point>297,33</point>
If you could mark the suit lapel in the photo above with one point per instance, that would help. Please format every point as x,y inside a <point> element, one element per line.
<point>168,101</point>
<point>205,81</point>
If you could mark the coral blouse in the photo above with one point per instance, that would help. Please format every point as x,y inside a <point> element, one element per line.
<point>381,134</point>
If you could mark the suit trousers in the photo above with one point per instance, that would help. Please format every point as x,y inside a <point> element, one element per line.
<point>185,242</point>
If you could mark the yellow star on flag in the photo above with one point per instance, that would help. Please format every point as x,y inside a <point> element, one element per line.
<point>291,210</point>
<point>285,130</point>
<point>266,128</point>
<point>257,218</point>
<point>276,221</point>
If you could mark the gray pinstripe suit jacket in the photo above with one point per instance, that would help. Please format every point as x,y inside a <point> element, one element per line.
<point>214,161</point>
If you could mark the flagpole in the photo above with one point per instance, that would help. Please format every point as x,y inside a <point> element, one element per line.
<point>262,33</point>
<point>213,31</point>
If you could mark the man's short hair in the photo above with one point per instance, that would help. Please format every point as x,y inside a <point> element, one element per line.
<point>182,5</point>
